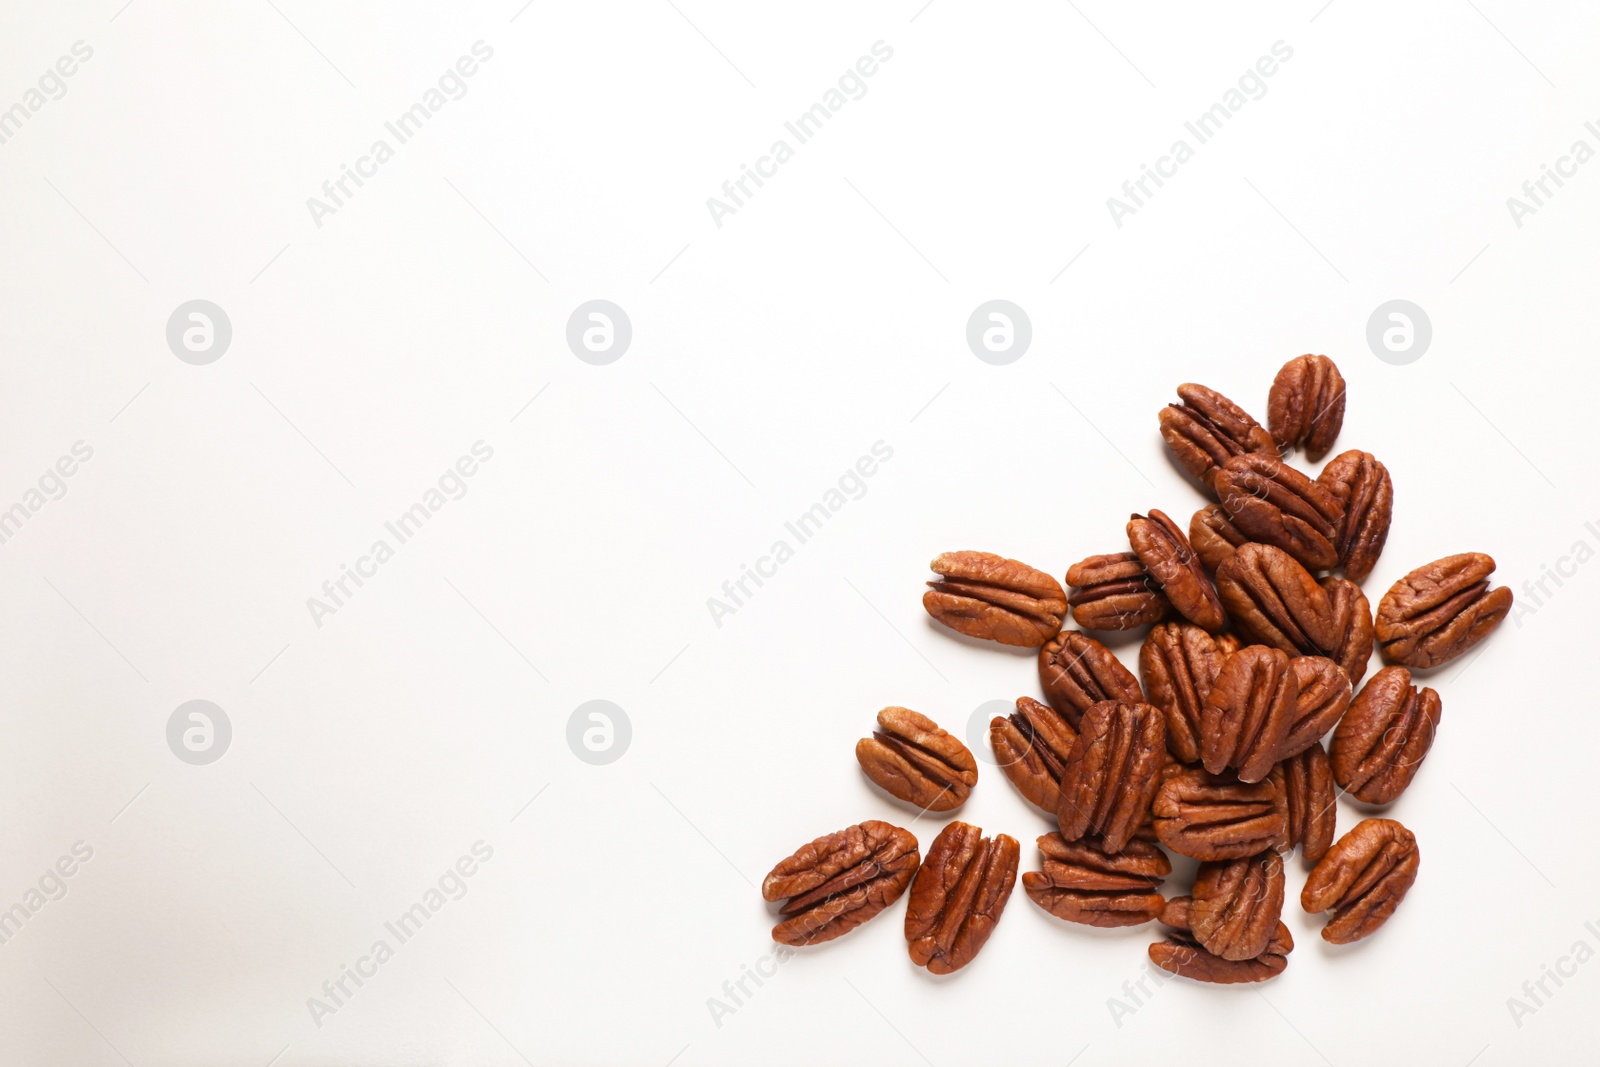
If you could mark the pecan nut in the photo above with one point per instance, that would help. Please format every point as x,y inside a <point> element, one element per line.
<point>1166,554</point>
<point>840,880</point>
<point>1440,610</point>
<point>1214,536</point>
<point>1217,817</point>
<point>1271,502</point>
<point>1275,601</point>
<point>1362,879</point>
<point>1208,429</point>
<point>1077,672</point>
<point>1248,714</point>
<point>958,895</point>
<point>1112,773</point>
<point>909,757</point>
<point>1306,405</point>
<point>1081,884</point>
<point>1179,663</point>
<point>1324,696</point>
<point>1235,905</point>
<point>1352,624</point>
<point>1382,740</point>
<point>987,596</point>
<point>1113,591</point>
<point>1032,747</point>
<point>1366,493</point>
<point>1313,813</point>
<point>1182,954</point>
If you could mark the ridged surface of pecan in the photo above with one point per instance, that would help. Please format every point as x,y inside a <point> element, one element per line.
<point>837,882</point>
<point>1112,774</point>
<point>1247,716</point>
<point>1275,601</point>
<point>1274,504</point>
<point>1208,429</point>
<point>1081,884</point>
<point>1077,672</point>
<point>1167,555</point>
<point>1366,494</point>
<point>1235,905</point>
<point>1213,536</point>
<point>1352,625</point>
<point>1183,955</point>
<point>1440,610</point>
<point>1113,591</point>
<point>987,596</point>
<point>958,895</point>
<point>1382,740</point>
<point>1313,813</point>
<point>1217,817</point>
<point>1306,405</point>
<point>1032,747</point>
<point>1179,663</point>
<point>909,757</point>
<point>1324,696</point>
<point>1362,879</point>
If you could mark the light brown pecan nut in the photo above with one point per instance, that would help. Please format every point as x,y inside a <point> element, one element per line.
<point>1213,536</point>
<point>840,880</point>
<point>1352,624</point>
<point>909,757</point>
<point>1275,601</point>
<point>1113,591</point>
<point>1165,553</point>
<point>1440,610</point>
<point>1032,747</point>
<point>958,895</point>
<point>1112,773</point>
<point>1247,716</point>
<point>1362,879</point>
<point>1179,663</point>
<point>1208,429</point>
<point>1324,695</point>
<point>1077,672</point>
<point>1236,904</point>
<point>1382,740</point>
<point>1308,787</point>
<point>987,596</point>
<point>1081,884</point>
<point>1274,504</point>
<point>1217,817</point>
<point>1182,954</point>
<point>1366,493</point>
<point>1306,405</point>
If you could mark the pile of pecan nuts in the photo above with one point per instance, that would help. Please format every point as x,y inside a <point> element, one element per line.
<point>1250,660</point>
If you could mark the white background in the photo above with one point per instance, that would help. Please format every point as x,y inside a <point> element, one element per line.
<point>769,354</point>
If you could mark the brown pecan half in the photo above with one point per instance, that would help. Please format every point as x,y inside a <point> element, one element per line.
<point>1179,663</point>
<point>988,596</point>
<point>1208,429</point>
<point>1217,817</point>
<point>909,757</point>
<point>1077,672</point>
<point>1308,787</point>
<point>840,880</point>
<point>1352,624</point>
<point>1165,553</point>
<point>1182,954</point>
<point>1113,771</point>
<point>1271,502</point>
<point>1366,493</point>
<point>1275,601</point>
<point>1235,905</point>
<point>1440,610</point>
<point>1113,591</point>
<point>1324,695</point>
<point>1081,884</point>
<point>1382,740</point>
<point>1306,405</point>
<point>1362,879</point>
<point>1032,747</point>
<point>958,895</point>
<point>1248,713</point>
<point>1214,536</point>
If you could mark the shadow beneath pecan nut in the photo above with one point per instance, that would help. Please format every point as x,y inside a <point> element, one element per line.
<point>943,631</point>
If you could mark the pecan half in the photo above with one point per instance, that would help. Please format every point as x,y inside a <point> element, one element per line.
<point>1179,663</point>
<point>1324,695</point>
<point>988,596</point>
<point>1081,884</point>
<point>1366,493</point>
<point>1113,591</point>
<point>912,759</point>
<point>1165,553</point>
<point>1182,954</point>
<point>1271,502</point>
<point>1382,740</point>
<point>1208,429</point>
<point>1352,624</point>
<point>1214,536</point>
<point>1235,905</point>
<point>1306,405</point>
<point>1247,715</point>
<point>1362,879</point>
<point>840,880</point>
<point>958,895</point>
<point>1217,817</point>
<point>1275,601</point>
<point>1032,747</point>
<point>1308,788</point>
<point>1077,672</point>
<point>1440,610</point>
<point>1113,771</point>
